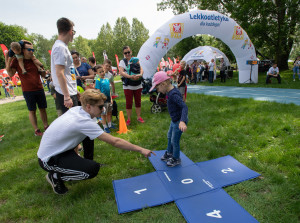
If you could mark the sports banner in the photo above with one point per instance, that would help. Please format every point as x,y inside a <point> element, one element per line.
<point>4,49</point>
<point>200,22</point>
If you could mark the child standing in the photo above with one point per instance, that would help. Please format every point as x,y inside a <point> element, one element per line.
<point>109,75</point>
<point>182,79</point>
<point>179,117</point>
<point>103,85</point>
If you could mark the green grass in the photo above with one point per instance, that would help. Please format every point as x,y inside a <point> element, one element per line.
<point>262,135</point>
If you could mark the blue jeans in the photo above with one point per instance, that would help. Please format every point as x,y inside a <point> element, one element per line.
<point>174,135</point>
<point>296,70</point>
<point>5,91</point>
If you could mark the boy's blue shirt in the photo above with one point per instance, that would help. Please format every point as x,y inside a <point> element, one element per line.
<point>104,86</point>
<point>178,110</point>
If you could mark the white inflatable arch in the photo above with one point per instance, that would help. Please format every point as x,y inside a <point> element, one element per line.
<point>200,22</point>
<point>205,53</point>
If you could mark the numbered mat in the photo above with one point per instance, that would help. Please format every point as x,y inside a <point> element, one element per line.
<point>227,171</point>
<point>140,192</point>
<point>213,206</point>
<point>196,189</point>
<point>186,181</point>
<point>158,164</point>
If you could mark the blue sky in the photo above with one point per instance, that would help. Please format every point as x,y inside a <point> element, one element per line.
<point>40,16</point>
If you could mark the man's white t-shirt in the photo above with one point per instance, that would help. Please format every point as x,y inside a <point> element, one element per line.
<point>66,132</point>
<point>273,70</point>
<point>211,66</point>
<point>60,55</point>
<point>122,64</point>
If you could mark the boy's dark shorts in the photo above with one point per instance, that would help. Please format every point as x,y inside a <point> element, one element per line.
<point>35,97</point>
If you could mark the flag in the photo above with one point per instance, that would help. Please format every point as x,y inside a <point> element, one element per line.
<point>4,49</point>
<point>117,59</point>
<point>94,55</point>
<point>49,51</point>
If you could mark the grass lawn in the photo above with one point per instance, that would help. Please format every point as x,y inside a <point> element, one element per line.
<point>264,136</point>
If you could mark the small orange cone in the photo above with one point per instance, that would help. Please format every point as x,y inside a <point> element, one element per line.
<point>122,124</point>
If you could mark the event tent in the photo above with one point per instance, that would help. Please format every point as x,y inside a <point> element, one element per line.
<point>205,53</point>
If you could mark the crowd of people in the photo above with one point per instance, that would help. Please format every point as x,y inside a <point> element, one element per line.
<point>83,91</point>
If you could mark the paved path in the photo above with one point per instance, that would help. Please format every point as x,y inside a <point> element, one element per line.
<point>261,94</point>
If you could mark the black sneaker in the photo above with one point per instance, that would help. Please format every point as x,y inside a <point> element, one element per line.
<point>166,156</point>
<point>173,162</point>
<point>57,185</point>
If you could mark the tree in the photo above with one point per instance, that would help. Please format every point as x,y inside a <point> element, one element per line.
<point>42,47</point>
<point>81,45</point>
<point>139,34</point>
<point>122,36</point>
<point>8,34</point>
<point>270,24</point>
<point>103,42</point>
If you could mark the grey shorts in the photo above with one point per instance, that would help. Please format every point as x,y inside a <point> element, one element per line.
<point>107,108</point>
<point>181,90</point>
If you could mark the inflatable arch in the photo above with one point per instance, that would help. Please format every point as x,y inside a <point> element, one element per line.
<point>200,22</point>
<point>205,53</point>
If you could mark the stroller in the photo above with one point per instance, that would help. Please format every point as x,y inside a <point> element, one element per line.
<point>159,102</point>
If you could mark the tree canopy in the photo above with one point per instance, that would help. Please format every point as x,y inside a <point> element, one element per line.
<point>271,24</point>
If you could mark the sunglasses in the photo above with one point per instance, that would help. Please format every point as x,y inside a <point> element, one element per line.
<point>29,49</point>
<point>128,52</point>
<point>74,32</point>
<point>100,107</point>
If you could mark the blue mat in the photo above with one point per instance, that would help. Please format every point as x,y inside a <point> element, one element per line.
<point>214,206</point>
<point>140,192</point>
<point>186,181</point>
<point>158,164</point>
<point>227,171</point>
<point>187,184</point>
<point>279,95</point>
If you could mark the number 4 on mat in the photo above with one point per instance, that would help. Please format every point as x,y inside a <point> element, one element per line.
<point>214,214</point>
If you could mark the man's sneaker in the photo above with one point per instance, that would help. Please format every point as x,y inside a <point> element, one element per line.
<point>106,130</point>
<point>166,156</point>
<point>128,122</point>
<point>57,185</point>
<point>38,133</point>
<point>173,162</point>
<point>140,120</point>
<point>1,136</point>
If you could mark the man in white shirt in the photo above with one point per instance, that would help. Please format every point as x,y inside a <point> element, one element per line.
<point>211,67</point>
<point>62,67</point>
<point>273,73</point>
<point>56,153</point>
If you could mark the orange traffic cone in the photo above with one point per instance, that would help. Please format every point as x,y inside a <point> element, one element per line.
<point>122,124</point>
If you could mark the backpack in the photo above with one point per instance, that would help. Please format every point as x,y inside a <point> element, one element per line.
<point>115,109</point>
<point>132,68</point>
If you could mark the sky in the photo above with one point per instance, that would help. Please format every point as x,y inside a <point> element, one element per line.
<point>40,16</point>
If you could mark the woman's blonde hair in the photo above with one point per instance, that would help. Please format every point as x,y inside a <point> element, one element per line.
<point>92,97</point>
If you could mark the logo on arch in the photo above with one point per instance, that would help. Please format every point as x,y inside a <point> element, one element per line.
<point>238,33</point>
<point>176,30</point>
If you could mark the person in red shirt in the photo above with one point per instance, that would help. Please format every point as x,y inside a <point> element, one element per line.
<point>32,87</point>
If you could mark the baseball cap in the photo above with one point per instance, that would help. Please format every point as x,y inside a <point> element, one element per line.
<point>158,78</point>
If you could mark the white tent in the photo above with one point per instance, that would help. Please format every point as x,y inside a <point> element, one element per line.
<point>205,53</point>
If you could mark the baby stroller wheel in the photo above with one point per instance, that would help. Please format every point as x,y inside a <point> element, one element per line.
<point>156,108</point>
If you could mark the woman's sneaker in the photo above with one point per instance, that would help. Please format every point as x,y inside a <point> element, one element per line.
<point>166,156</point>
<point>173,162</point>
<point>57,185</point>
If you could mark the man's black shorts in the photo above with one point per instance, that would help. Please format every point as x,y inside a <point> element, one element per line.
<point>35,97</point>
<point>60,101</point>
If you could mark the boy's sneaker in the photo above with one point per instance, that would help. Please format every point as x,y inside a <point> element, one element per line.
<point>112,126</point>
<point>173,162</point>
<point>128,122</point>
<point>57,185</point>
<point>140,120</point>
<point>38,132</point>
<point>166,156</point>
<point>106,130</point>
